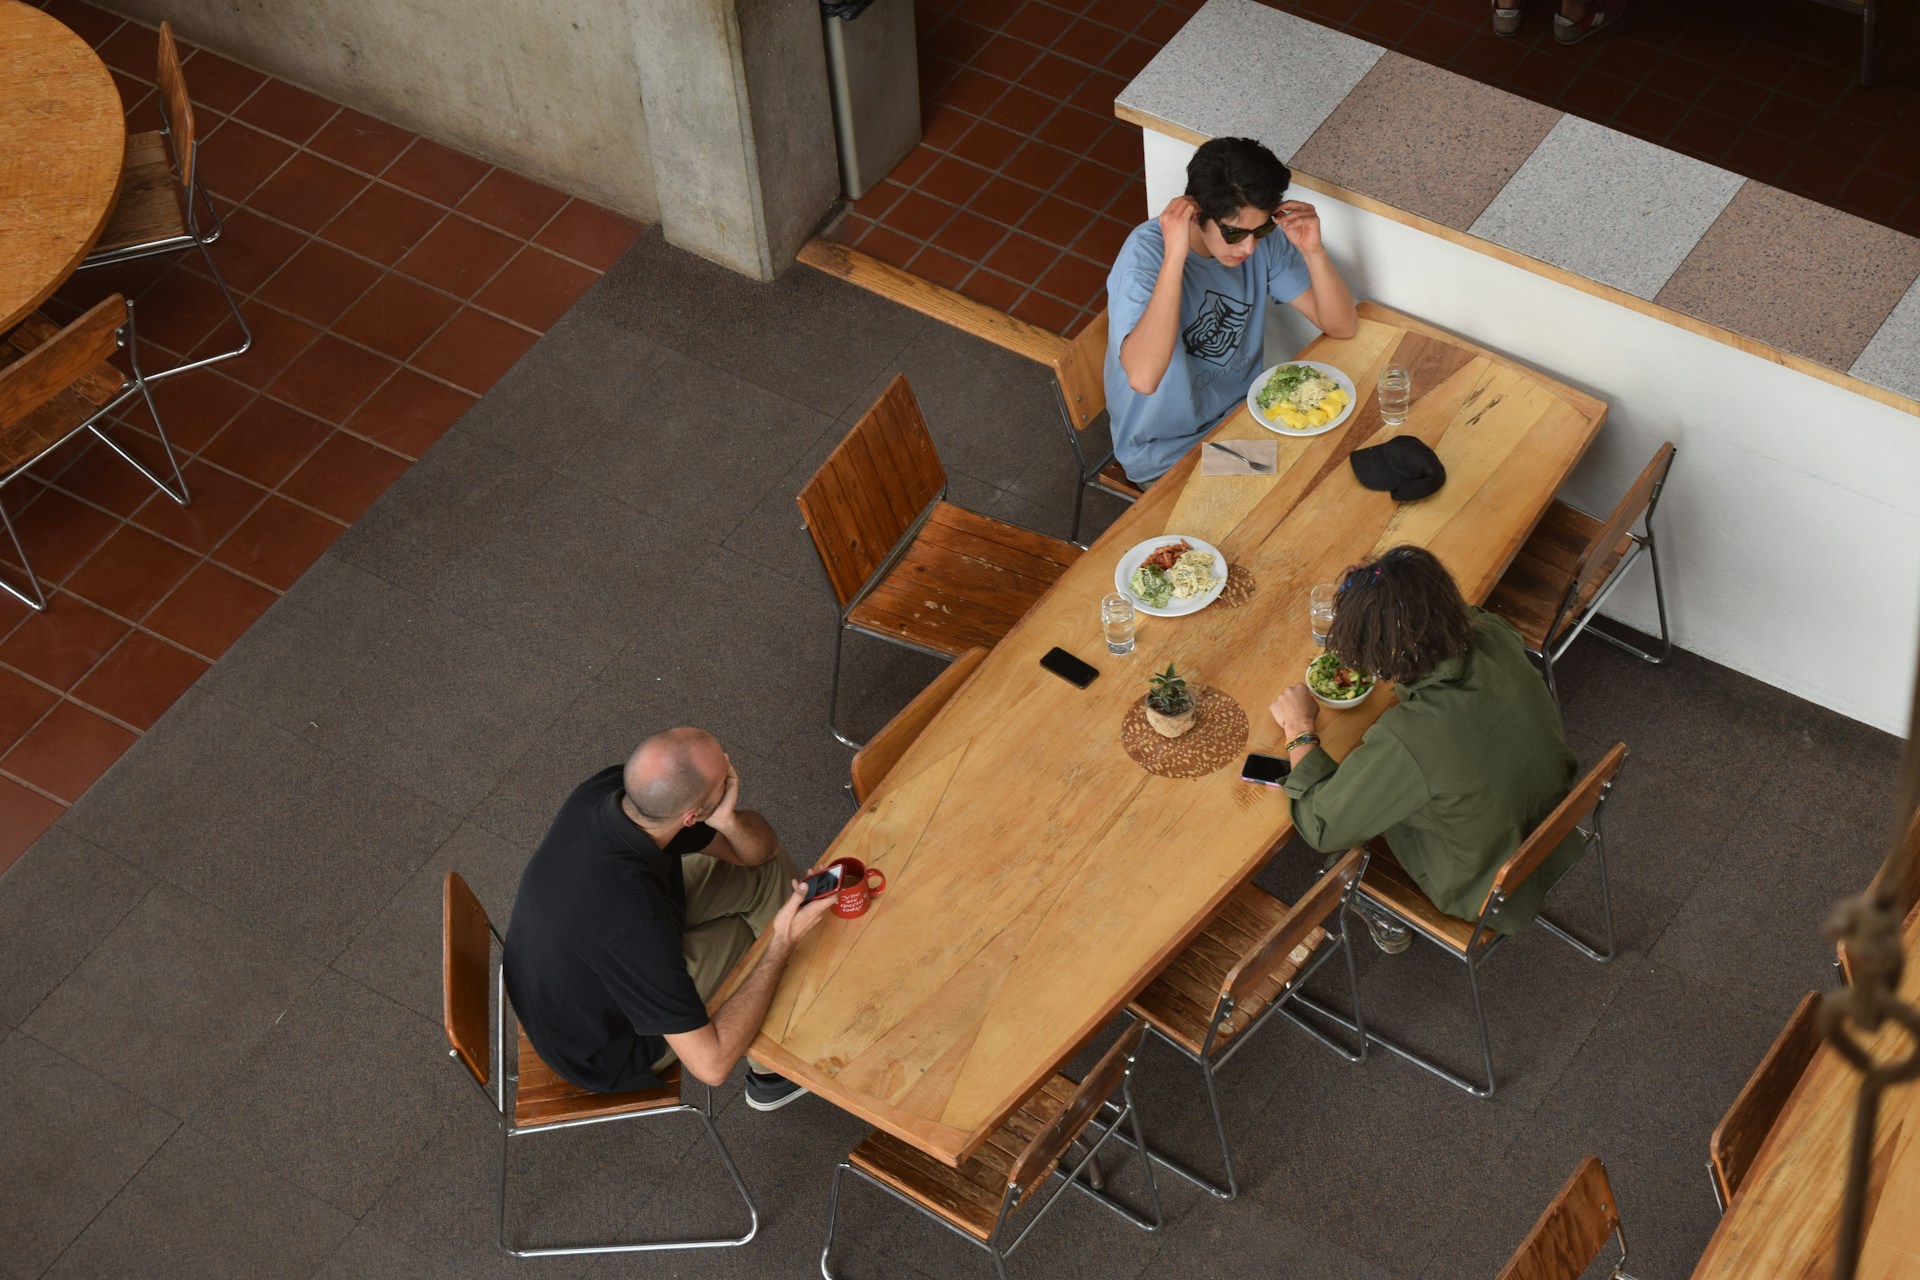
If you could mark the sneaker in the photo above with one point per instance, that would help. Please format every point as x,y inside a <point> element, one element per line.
<point>1602,15</point>
<point>1388,934</point>
<point>1506,22</point>
<point>769,1092</point>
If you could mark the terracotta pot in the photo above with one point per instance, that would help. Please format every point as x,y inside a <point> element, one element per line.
<point>1170,726</point>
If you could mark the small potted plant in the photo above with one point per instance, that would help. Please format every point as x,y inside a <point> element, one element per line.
<point>1169,703</point>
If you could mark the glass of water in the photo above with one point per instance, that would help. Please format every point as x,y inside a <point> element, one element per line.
<point>1396,392</point>
<point>1320,611</point>
<point>1116,619</point>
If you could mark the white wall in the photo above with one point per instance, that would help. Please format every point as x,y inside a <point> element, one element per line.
<point>1792,515</point>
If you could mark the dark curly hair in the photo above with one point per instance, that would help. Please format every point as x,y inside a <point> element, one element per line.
<point>1400,616</point>
<point>1228,174</point>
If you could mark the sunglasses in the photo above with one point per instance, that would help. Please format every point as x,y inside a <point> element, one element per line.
<point>1234,235</point>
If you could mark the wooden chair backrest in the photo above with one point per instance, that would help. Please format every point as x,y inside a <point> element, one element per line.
<point>1081,370</point>
<point>871,489</point>
<point>1546,837</point>
<point>1048,1145</point>
<point>1572,1231</point>
<point>466,1008</point>
<point>875,761</point>
<point>1308,914</point>
<point>1597,559</point>
<point>61,361</point>
<point>1737,1138</point>
<point>175,106</point>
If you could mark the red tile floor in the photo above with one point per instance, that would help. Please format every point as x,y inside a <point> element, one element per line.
<point>1025,184</point>
<point>389,282</point>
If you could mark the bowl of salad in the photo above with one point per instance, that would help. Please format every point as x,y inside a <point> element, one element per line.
<point>1336,685</point>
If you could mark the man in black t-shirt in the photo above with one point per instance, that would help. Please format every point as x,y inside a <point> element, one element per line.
<point>649,886</point>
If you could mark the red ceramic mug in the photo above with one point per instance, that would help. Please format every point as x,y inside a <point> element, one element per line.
<point>858,886</point>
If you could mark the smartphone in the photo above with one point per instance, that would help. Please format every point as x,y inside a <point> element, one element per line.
<point>1268,771</point>
<point>825,883</point>
<point>1069,668</point>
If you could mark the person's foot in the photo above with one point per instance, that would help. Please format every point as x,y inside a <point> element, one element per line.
<point>1388,934</point>
<point>769,1092</point>
<point>1597,15</point>
<point>1506,22</point>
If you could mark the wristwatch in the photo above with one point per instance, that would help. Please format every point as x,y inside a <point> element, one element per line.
<point>1307,739</point>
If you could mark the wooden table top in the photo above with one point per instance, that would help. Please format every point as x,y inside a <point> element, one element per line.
<point>63,139</point>
<point>1786,1216</point>
<point>1037,877</point>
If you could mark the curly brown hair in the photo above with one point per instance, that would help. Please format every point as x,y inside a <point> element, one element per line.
<point>1399,617</point>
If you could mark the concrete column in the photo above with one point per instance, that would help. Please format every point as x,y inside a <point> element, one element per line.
<point>739,125</point>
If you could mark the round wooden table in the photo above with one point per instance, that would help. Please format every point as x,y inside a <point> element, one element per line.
<point>63,138</point>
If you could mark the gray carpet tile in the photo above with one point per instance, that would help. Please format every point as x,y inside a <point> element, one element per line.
<point>56,903</point>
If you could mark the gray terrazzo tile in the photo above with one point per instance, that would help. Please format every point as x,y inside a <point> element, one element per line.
<point>1892,357</point>
<point>1607,206</point>
<point>1426,140</point>
<point>1239,68</point>
<point>56,903</point>
<point>69,1141</point>
<point>1794,274</point>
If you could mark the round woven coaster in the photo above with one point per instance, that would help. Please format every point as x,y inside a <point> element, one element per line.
<point>1239,590</point>
<point>1218,736</point>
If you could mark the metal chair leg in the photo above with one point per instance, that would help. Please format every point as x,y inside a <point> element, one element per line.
<point>38,600</point>
<point>1713,1180</point>
<point>1079,502</point>
<point>1428,1065</point>
<point>833,692</point>
<point>833,1213</point>
<point>246,330</point>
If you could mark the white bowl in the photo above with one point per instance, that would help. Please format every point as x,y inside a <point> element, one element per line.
<point>1335,704</point>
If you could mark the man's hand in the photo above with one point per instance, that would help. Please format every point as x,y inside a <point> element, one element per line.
<point>1300,223</point>
<point>796,920</point>
<point>722,817</point>
<point>1181,212</point>
<point>1295,711</point>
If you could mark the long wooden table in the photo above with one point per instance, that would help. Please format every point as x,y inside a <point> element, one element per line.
<point>1784,1219</point>
<point>1037,877</point>
<point>63,139</point>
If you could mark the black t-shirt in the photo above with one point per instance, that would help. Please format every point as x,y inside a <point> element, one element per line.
<point>593,958</point>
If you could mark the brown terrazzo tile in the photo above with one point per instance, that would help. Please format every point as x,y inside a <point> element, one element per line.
<point>1425,140</point>
<point>1796,275</point>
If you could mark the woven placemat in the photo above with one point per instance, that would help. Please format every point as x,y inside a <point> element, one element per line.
<point>1218,737</point>
<point>1241,584</point>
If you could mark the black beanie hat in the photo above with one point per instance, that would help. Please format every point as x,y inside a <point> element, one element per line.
<point>1404,466</point>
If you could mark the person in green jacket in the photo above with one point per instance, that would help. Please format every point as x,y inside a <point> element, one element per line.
<point>1460,772</point>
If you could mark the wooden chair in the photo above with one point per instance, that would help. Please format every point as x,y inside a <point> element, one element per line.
<point>543,1102</point>
<point>906,565</point>
<point>1573,1230</point>
<point>1554,588</point>
<point>1472,941</point>
<point>1080,385</point>
<point>1737,1138</point>
<point>1902,881</point>
<point>1247,964</point>
<point>56,383</point>
<point>977,1200</point>
<point>162,201</point>
<point>875,761</point>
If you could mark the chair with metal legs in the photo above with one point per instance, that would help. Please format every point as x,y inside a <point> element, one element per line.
<point>1736,1140</point>
<point>1079,384</point>
<point>903,563</point>
<point>1387,885</point>
<point>1247,964</point>
<point>162,202</point>
<point>542,1101</point>
<point>1571,563</point>
<point>1572,1231</point>
<point>56,383</point>
<point>978,1200</point>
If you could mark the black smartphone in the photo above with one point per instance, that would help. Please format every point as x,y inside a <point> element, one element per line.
<point>1268,771</point>
<point>821,885</point>
<point>1069,668</point>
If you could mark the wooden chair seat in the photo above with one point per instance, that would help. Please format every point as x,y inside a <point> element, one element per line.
<point>1388,883</point>
<point>1113,478</point>
<point>543,1097</point>
<point>1529,594</point>
<point>148,212</point>
<point>968,1196</point>
<point>1180,1002</point>
<point>28,438</point>
<point>964,581</point>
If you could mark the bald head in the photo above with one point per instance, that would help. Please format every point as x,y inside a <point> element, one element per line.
<point>675,773</point>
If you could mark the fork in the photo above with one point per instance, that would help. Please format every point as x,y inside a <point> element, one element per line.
<point>1259,468</point>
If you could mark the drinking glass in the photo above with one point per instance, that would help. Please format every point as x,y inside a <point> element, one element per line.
<point>1320,611</point>
<point>1396,391</point>
<point>1116,619</point>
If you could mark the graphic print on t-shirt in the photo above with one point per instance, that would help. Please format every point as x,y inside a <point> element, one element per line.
<point>1215,333</point>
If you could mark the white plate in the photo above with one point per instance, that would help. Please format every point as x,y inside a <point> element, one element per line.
<point>1176,608</point>
<point>1281,428</point>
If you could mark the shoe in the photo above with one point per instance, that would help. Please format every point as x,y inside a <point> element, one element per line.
<point>1388,934</point>
<point>1506,22</point>
<point>769,1092</point>
<point>1602,15</point>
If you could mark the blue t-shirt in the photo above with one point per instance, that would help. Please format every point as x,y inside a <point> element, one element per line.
<point>1223,321</point>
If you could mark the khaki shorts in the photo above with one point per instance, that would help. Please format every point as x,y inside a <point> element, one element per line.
<point>728,906</point>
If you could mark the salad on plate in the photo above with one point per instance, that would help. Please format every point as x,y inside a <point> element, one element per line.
<point>1300,396</point>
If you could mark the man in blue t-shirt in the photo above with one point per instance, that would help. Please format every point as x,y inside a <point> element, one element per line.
<point>1186,326</point>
